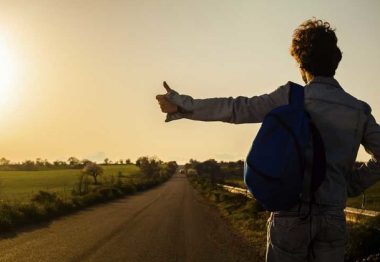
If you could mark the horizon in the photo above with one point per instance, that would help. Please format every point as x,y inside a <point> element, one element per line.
<point>80,79</point>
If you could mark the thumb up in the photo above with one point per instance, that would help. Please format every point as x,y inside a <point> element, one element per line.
<point>165,105</point>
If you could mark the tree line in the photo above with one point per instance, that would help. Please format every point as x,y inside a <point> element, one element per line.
<point>214,171</point>
<point>151,168</point>
<point>44,164</point>
<point>148,165</point>
<point>224,172</point>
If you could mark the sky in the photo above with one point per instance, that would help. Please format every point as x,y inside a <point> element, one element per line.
<point>79,78</point>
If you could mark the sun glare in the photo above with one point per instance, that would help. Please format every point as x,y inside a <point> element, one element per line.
<point>7,74</point>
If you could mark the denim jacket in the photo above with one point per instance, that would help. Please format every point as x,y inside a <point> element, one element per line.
<point>343,121</point>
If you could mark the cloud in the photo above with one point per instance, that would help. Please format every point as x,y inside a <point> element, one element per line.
<point>96,157</point>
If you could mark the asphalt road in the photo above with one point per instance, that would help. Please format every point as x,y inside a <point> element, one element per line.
<point>168,223</point>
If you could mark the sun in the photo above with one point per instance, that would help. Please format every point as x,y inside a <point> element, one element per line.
<point>7,74</point>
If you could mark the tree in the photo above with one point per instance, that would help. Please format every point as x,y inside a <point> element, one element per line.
<point>39,162</point>
<point>28,165</point>
<point>82,185</point>
<point>46,163</point>
<point>4,161</point>
<point>73,161</point>
<point>193,163</point>
<point>172,167</point>
<point>94,170</point>
<point>149,165</point>
<point>106,161</point>
<point>85,162</point>
<point>59,163</point>
<point>128,161</point>
<point>210,169</point>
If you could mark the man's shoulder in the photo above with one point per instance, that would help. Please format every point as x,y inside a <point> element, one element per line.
<point>332,91</point>
<point>359,104</point>
<point>281,93</point>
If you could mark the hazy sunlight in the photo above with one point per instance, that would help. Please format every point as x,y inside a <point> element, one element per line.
<point>7,74</point>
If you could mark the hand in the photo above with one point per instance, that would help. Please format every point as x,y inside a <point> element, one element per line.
<point>165,104</point>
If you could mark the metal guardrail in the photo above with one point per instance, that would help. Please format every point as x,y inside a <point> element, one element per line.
<point>236,190</point>
<point>348,210</point>
<point>362,212</point>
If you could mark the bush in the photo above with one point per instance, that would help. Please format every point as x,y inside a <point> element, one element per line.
<point>108,192</point>
<point>87,199</point>
<point>50,204</point>
<point>149,166</point>
<point>364,240</point>
<point>44,197</point>
<point>82,186</point>
<point>129,188</point>
<point>32,212</point>
<point>9,215</point>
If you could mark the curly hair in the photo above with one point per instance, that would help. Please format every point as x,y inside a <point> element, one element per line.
<point>314,46</point>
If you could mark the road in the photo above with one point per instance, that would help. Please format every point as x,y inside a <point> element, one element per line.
<point>168,223</point>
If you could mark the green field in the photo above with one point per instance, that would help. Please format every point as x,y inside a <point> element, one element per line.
<point>21,185</point>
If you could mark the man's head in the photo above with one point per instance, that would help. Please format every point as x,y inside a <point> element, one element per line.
<point>314,46</point>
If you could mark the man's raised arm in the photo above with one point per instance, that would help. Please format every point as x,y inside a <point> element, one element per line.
<point>232,110</point>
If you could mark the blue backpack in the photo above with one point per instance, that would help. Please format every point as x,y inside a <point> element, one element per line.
<point>275,165</point>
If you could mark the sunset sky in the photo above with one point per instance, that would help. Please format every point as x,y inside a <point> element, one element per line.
<point>79,78</point>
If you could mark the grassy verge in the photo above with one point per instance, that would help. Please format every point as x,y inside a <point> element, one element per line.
<point>248,218</point>
<point>245,215</point>
<point>46,205</point>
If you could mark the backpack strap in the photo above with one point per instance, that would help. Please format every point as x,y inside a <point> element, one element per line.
<point>296,95</point>
<point>315,173</point>
<point>296,98</point>
<point>319,159</point>
<point>317,170</point>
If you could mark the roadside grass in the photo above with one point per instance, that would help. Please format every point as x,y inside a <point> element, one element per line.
<point>244,214</point>
<point>22,185</point>
<point>248,218</point>
<point>44,205</point>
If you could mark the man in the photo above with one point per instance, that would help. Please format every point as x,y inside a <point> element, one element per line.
<point>344,123</point>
